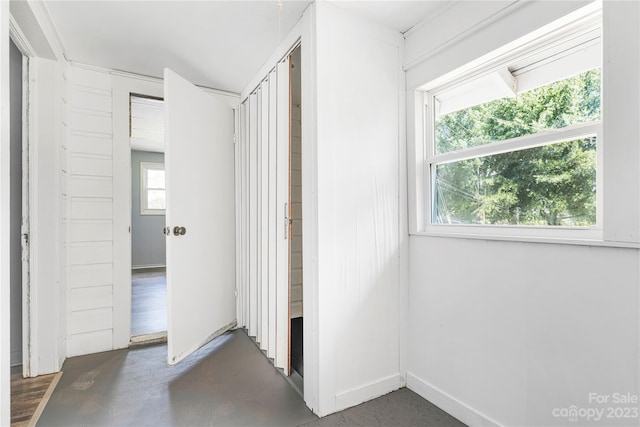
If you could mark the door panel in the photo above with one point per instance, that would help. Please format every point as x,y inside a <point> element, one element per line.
<point>199,161</point>
<point>283,206</point>
<point>271,348</point>
<point>264,215</point>
<point>253,215</point>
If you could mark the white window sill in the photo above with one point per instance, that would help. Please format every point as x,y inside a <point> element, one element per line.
<point>548,235</point>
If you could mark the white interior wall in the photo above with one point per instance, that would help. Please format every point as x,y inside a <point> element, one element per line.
<point>504,332</point>
<point>359,227</point>
<point>521,329</point>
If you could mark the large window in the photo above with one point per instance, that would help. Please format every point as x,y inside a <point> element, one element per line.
<point>515,143</point>
<point>152,191</point>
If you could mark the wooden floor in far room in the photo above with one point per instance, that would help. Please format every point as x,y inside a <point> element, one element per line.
<point>148,301</point>
<point>27,394</point>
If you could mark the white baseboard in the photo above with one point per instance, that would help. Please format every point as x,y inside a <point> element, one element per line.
<point>448,403</point>
<point>361,394</point>
<point>16,357</point>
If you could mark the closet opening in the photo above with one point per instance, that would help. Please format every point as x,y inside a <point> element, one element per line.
<point>296,353</point>
<point>148,205</point>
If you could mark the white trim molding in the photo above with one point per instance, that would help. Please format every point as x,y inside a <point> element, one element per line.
<point>364,393</point>
<point>448,403</point>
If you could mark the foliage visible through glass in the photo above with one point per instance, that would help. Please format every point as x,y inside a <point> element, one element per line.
<point>552,185</point>
<point>549,185</point>
<point>557,105</point>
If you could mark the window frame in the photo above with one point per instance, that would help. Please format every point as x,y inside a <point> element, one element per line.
<point>424,102</point>
<point>144,189</point>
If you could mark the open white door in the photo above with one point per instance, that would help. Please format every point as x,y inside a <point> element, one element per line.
<point>199,161</point>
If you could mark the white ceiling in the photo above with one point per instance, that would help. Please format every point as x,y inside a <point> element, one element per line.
<point>399,15</point>
<point>219,44</point>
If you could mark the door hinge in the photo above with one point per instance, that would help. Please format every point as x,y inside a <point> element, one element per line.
<point>235,138</point>
<point>25,237</point>
<point>236,292</point>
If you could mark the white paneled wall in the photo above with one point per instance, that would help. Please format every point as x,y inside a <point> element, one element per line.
<point>63,209</point>
<point>90,212</point>
<point>296,212</point>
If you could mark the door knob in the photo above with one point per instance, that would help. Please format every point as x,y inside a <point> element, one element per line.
<point>179,231</point>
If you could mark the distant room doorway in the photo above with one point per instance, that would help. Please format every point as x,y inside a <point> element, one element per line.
<point>148,204</point>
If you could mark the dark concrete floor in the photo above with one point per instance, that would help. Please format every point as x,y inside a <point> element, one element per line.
<point>401,408</point>
<point>228,382</point>
<point>148,301</point>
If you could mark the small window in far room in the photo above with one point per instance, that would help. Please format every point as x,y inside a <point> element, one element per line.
<point>152,189</point>
<point>516,143</point>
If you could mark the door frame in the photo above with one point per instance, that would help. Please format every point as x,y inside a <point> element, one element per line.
<point>151,337</point>
<point>123,86</point>
<point>29,359</point>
